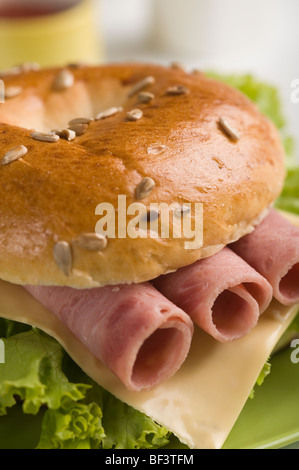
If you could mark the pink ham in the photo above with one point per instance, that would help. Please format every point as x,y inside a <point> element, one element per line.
<point>141,336</point>
<point>222,294</point>
<point>273,250</point>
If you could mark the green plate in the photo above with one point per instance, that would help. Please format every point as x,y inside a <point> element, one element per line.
<point>269,421</point>
<point>20,431</point>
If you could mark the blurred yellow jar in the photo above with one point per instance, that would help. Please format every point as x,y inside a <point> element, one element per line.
<point>48,32</point>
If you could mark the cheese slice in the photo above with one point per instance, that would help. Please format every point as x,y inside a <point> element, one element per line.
<point>201,403</point>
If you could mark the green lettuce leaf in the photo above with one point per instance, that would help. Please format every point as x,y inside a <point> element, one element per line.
<point>294,326</point>
<point>10,328</point>
<point>127,428</point>
<point>289,199</point>
<point>35,374</point>
<point>32,372</point>
<point>262,375</point>
<point>74,426</point>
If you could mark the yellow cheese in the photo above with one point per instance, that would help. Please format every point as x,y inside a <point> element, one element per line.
<point>201,403</point>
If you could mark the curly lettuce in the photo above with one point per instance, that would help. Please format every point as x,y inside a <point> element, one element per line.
<point>35,374</point>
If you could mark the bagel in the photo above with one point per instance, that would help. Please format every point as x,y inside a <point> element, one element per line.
<point>195,139</point>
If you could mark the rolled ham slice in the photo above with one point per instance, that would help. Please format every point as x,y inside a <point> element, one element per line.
<point>135,331</point>
<point>273,250</point>
<point>222,294</point>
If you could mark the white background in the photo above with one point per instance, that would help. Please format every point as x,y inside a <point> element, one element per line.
<point>256,36</point>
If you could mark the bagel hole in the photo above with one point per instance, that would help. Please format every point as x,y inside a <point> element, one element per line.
<point>158,353</point>
<point>231,314</point>
<point>289,284</point>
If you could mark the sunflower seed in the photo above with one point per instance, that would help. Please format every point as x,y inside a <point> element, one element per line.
<point>228,129</point>
<point>14,154</point>
<point>65,79</point>
<point>177,90</point>
<point>26,67</point>
<point>79,129</point>
<point>92,241</point>
<point>30,67</point>
<point>62,255</point>
<point>77,65</point>
<point>145,97</point>
<point>182,211</point>
<point>144,83</point>
<point>134,115</point>
<point>144,188</point>
<point>12,71</point>
<point>12,91</point>
<point>151,216</point>
<point>80,121</point>
<point>156,149</point>
<point>177,66</point>
<point>67,134</point>
<point>16,70</point>
<point>45,137</point>
<point>109,112</point>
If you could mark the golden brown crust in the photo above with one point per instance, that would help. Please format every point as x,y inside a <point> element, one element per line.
<point>51,194</point>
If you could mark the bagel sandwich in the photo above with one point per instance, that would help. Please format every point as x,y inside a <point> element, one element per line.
<point>141,311</point>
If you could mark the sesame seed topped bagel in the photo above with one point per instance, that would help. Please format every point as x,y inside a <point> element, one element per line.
<point>73,138</point>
